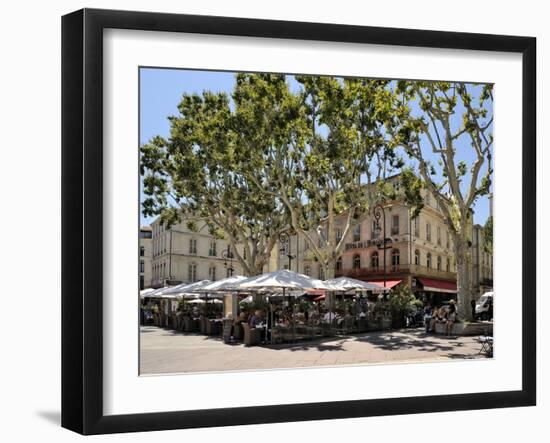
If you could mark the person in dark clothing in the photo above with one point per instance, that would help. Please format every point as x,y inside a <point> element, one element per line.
<point>473,305</point>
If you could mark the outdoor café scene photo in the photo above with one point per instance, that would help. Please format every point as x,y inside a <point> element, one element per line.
<point>298,221</point>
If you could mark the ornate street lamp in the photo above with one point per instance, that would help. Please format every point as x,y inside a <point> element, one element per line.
<point>227,255</point>
<point>284,238</point>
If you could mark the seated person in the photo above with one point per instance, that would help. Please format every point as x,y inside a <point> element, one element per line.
<point>255,319</point>
<point>451,318</point>
<point>439,315</point>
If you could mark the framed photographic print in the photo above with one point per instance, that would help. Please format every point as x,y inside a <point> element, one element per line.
<point>269,221</point>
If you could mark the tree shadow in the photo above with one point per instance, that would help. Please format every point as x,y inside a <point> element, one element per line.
<point>394,341</point>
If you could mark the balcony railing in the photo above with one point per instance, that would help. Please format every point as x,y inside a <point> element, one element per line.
<point>396,270</point>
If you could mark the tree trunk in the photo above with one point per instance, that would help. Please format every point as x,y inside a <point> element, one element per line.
<point>464,276</point>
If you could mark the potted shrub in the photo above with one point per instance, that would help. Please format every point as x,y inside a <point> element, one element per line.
<point>401,301</point>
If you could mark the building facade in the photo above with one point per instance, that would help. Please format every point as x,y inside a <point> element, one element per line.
<point>482,263</point>
<point>145,257</point>
<point>419,251</point>
<point>184,255</point>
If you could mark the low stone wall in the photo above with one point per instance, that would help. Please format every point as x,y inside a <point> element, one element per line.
<point>467,328</point>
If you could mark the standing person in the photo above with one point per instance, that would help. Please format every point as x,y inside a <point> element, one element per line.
<point>473,305</point>
<point>428,318</point>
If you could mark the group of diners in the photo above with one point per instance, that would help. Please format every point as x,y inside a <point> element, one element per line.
<point>440,314</point>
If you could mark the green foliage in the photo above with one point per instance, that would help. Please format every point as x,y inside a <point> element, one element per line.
<point>412,186</point>
<point>401,300</point>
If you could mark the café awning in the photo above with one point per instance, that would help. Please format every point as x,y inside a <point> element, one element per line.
<point>390,284</point>
<point>431,284</point>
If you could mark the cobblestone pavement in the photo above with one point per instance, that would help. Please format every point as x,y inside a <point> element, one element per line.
<point>167,351</point>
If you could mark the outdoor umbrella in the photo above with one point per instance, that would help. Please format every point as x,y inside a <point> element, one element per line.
<point>281,281</point>
<point>145,292</point>
<point>186,287</point>
<point>349,284</point>
<point>223,285</point>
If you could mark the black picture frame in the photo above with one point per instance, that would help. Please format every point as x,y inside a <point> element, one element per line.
<point>82,190</point>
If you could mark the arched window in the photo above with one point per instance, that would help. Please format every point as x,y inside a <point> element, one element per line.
<point>439,262</point>
<point>338,267</point>
<point>429,259</point>
<point>395,259</point>
<point>356,261</point>
<point>448,264</point>
<point>417,257</point>
<point>374,260</point>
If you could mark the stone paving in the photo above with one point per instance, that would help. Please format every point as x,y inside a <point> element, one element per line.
<point>166,351</point>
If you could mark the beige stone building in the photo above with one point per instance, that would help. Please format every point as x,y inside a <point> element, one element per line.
<point>482,263</point>
<point>145,257</point>
<point>419,250</point>
<point>183,255</point>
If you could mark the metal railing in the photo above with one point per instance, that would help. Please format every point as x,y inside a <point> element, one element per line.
<point>394,270</point>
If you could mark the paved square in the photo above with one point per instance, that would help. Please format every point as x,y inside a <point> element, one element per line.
<point>166,351</point>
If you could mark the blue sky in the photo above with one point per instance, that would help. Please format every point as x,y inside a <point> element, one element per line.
<point>161,91</point>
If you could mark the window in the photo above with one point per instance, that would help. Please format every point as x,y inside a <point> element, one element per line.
<point>141,266</point>
<point>448,265</point>
<point>321,272</point>
<point>192,246</point>
<point>395,259</point>
<point>357,232</point>
<point>439,263</point>
<point>212,252</point>
<point>244,253</point>
<point>374,262</point>
<point>212,273</point>
<point>307,270</point>
<point>338,234</point>
<point>439,235</point>
<point>142,251</point>
<point>428,232</point>
<point>429,260</point>
<point>416,223</point>
<point>192,272</point>
<point>141,282</point>
<point>356,261</point>
<point>448,241</point>
<point>395,225</point>
<point>417,257</point>
<point>338,265</point>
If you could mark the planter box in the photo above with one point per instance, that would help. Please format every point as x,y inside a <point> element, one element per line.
<point>386,323</point>
<point>373,325</point>
<point>467,328</point>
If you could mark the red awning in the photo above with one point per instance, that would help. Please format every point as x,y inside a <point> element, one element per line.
<point>431,284</point>
<point>316,292</point>
<point>389,283</point>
